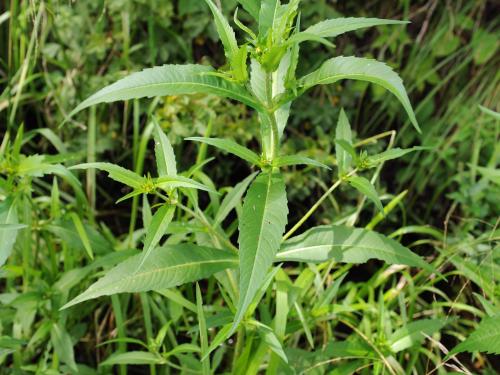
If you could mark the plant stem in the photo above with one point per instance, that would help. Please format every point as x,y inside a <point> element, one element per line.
<point>272,118</point>
<point>316,205</point>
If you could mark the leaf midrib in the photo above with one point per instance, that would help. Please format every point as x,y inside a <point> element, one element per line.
<point>268,187</point>
<point>218,87</point>
<point>288,252</point>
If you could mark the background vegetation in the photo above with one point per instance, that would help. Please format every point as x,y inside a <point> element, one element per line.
<point>444,202</point>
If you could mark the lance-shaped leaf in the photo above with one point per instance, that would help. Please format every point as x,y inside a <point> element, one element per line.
<point>267,14</point>
<point>366,188</point>
<point>289,160</point>
<point>261,227</point>
<point>369,70</point>
<point>8,228</point>
<point>414,333</point>
<point>343,134</point>
<point>232,199</point>
<point>117,173</point>
<point>169,80</point>
<point>171,182</point>
<point>164,153</point>
<point>155,231</point>
<point>252,7</point>
<point>347,245</point>
<point>486,338</point>
<point>337,26</point>
<point>63,345</point>
<point>226,33</point>
<point>164,268</point>
<point>231,147</point>
<point>393,153</point>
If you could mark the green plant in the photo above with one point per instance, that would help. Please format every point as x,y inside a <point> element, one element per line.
<point>290,317</point>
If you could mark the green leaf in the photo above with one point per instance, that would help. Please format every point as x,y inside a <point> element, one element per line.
<point>63,345</point>
<point>80,229</point>
<point>171,182</point>
<point>226,33</point>
<point>366,187</point>
<point>486,338</point>
<point>356,68</point>
<point>333,27</point>
<point>231,147</point>
<point>252,7</point>
<point>164,268</point>
<point>219,338</point>
<point>490,112</point>
<point>267,15</point>
<point>414,333</point>
<point>165,157</point>
<point>346,245</point>
<point>9,228</point>
<point>133,358</point>
<point>169,80</point>
<point>261,227</point>
<point>343,134</point>
<point>269,337</point>
<point>117,173</point>
<point>492,174</point>
<point>288,160</point>
<point>202,325</point>
<point>155,231</point>
<point>390,154</point>
<point>232,199</point>
<point>348,148</point>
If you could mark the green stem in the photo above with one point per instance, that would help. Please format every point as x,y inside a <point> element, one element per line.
<point>272,117</point>
<point>316,205</point>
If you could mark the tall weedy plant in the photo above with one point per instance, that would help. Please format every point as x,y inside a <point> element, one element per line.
<point>261,73</point>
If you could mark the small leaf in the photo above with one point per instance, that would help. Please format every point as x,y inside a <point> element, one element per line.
<point>172,182</point>
<point>226,33</point>
<point>202,324</point>
<point>486,338</point>
<point>346,245</point>
<point>117,173</point>
<point>343,133</point>
<point>390,154</point>
<point>261,227</point>
<point>232,199</point>
<point>82,234</point>
<point>289,160</point>
<point>63,346</point>
<point>366,188</point>
<point>333,27</point>
<point>164,268</point>
<point>269,337</point>
<point>165,157</point>
<point>219,338</point>
<point>267,15</point>
<point>414,333</point>
<point>252,7</point>
<point>490,112</point>
<point>133,358</point>
<point>9,229</point>
<point>347,147</point>
<point>231,147</point>
<point>356,68</point>
<point>155,231</point>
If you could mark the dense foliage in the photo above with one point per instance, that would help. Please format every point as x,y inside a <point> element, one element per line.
<point>233,230</point>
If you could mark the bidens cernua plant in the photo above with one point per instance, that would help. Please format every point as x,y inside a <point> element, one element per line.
<point>261,73</point>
